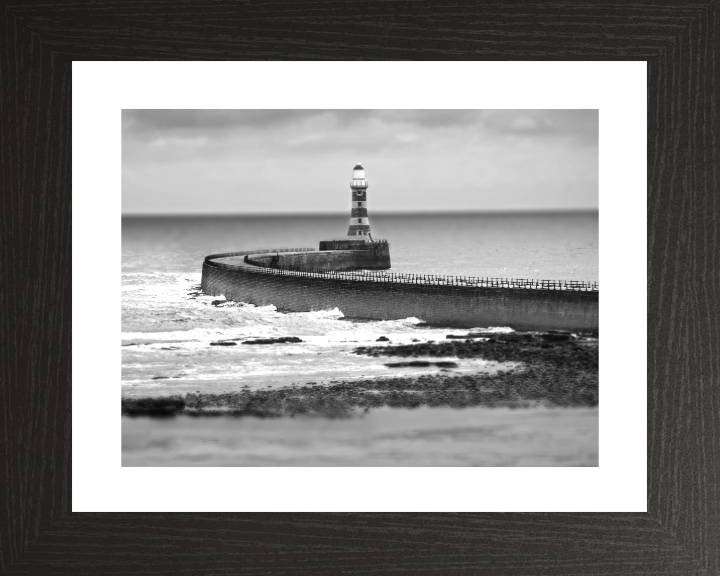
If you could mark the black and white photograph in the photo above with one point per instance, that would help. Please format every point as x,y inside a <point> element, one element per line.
<point>360,288</point>
<point>340,266</point>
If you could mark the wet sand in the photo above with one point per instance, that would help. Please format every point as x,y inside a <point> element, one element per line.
<point>382,437</point>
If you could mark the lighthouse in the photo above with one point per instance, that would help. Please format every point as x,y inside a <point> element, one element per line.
<point>359,223</point>
<point>358,250</point>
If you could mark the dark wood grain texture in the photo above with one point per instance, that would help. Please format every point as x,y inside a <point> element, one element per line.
<point>680,534</point>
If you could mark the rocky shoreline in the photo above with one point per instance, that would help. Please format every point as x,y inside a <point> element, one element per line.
<point>555,369</point>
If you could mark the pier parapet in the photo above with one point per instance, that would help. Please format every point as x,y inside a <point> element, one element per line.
<point>451,301</point>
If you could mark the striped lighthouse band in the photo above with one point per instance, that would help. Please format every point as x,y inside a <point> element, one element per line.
<point>359,221</point>
<point>357,230</point>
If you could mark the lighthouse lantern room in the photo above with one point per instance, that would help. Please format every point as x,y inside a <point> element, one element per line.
<point>359,223</point>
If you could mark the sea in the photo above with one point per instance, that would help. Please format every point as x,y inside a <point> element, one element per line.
<point>167,328</point>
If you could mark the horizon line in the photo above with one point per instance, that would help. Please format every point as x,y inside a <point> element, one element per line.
<point>375,213</point>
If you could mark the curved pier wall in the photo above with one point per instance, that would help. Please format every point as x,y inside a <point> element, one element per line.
<point>335,260</point>
<point>454,306</point>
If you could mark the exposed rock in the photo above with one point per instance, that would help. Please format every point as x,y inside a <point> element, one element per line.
<point>422,364</point>
<point>465,336</point>
<point>281,340</point>
<point>152,406</point>
<point>383,339</point>
<point>547,372</point>
<point>411,364</point>
<point>223,343</point>
<point>556,337</point>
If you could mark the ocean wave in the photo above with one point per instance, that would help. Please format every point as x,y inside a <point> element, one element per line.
<point>221,302</point>
<point>494,330</point>
<point>191,335</point>
<point>334,313</point>
<point>145,278</point>
<point>162,307</point>
<point>402,322</point>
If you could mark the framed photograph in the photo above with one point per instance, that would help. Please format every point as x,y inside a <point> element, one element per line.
<point>463,341</point>
<point>124,184</point>
<point>446,315</point>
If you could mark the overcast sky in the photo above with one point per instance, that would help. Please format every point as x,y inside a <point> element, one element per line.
<point>300,161</point>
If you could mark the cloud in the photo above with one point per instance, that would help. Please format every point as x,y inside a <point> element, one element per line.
<point>558,123</point>
<point>430,118</point>
<point>162,141</point>
<point>270,160</point>
<point>143,122</point>
<point>155,123</point>
<point>524,123</point>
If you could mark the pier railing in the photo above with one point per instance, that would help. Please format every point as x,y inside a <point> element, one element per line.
<point>436,279</point>
<point>398,277</point>
<point>256,252</point>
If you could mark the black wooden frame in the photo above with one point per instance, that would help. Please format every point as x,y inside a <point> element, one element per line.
<point>681,530</point>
